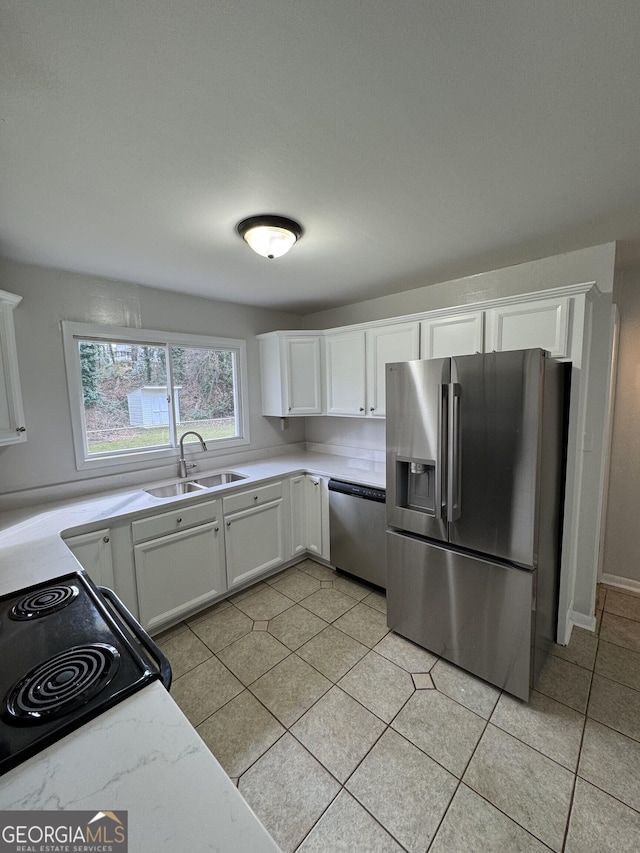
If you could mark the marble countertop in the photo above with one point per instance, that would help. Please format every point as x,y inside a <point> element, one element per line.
<point>143,755</point>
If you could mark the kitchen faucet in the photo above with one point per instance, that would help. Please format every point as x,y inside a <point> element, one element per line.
<point>184,466</point>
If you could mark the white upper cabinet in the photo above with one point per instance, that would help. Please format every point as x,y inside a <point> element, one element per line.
<point>460,334</point>
<point>385,344</point>
<point>291,373</point>
<point>541,323</point>
<point>12,427</point>
<point>345,373</point>
<point>341,371</point>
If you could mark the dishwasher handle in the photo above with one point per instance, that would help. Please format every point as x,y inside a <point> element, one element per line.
<point>354,490</point>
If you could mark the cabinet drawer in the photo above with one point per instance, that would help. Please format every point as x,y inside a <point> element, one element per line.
<point>254,497</point>
<point>176,519</point>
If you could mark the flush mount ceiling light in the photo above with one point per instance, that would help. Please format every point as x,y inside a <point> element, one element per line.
<point>269,236</point>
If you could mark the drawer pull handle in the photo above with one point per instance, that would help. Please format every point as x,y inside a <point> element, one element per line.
<point>21,429</point>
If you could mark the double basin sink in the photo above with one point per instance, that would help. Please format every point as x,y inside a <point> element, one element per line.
<point>199,484</point>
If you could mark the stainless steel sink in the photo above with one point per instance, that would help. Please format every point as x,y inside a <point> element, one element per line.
<point>174,490</point>
<point>185,487</point>
<point>219,479</point>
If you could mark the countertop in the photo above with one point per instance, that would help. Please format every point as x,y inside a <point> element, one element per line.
<point>143,755</point>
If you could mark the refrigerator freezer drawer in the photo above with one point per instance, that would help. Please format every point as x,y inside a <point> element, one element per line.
<point>472,612</point>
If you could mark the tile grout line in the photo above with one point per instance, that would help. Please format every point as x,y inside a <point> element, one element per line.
<point>575,775</point>
<point>460,778</point>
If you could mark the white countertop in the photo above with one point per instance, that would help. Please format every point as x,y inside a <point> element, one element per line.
<point>142,755</point>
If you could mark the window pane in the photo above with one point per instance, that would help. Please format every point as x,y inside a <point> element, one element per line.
<point>125,394</point>
<point>204,382</point>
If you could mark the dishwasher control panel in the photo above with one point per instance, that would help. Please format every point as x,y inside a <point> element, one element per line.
<point>356,491</point>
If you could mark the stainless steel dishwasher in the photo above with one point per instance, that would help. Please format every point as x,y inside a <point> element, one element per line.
<point>357,521</point>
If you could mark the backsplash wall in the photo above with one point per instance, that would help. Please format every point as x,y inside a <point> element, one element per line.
<point>363,434</point>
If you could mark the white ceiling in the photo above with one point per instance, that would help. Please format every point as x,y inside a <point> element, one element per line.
<point>415,140</point>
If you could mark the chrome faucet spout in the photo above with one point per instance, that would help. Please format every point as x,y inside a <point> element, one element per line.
<point>183,466</point>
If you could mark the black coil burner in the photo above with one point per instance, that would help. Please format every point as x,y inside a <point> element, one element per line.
<point>69,651</point>
<point>44,601</point>
<point>62,683</point>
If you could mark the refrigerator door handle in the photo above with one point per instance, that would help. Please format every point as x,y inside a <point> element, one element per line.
<point>441,461</point>
<point>454,472</point>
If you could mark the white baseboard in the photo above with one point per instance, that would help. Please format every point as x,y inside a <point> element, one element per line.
<point>623,583</point>
<point>582,621</point>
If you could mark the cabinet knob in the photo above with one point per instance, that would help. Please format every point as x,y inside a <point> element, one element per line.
<point>21,429</point>
<point>255,497</point>
<point>178,520</point>
<point>105,538</point>
<point>362,408</point>
<point>228,524</point>
<point>289,409</point>
<point>371,409</point>
<point>216,529</point>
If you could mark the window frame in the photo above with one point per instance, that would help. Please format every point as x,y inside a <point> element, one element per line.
<point>73,332</point>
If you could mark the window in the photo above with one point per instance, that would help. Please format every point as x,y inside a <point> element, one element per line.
<point>135,392</point>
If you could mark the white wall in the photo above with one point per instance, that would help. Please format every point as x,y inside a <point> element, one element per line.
<point>622,536</point>
<point>49,296</point>
<point>593,264</point>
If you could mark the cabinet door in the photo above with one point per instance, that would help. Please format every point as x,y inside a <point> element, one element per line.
<point>313,512</point>
<point>291,374</point>
<point>93,552</point>
<point>384,344</point>
<point>179,574</point>
<point>298,514</point>
<point>303,387</point>
<point>443,337</point>
<point>345,373</point>
<point>254,540</point>
<point>12,428</point>
<point>543,323</point>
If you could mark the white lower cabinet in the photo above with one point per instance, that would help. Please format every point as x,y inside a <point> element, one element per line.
<point>308,519</point>
<point>254,541</point>
<point>180,573</point>
<point>298,514</point>
<point>93,552</point>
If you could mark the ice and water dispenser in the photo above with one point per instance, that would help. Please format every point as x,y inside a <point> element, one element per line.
<point>416,484</point>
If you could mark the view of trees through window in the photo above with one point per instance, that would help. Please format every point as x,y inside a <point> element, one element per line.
<point>129,393</point>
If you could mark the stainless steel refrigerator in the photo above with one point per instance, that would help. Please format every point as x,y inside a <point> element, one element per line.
<point>475,493</point>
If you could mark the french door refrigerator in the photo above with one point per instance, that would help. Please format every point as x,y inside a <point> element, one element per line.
<point>475,494</point>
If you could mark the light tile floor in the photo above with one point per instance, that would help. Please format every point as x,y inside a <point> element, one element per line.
<point>344,737</point>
